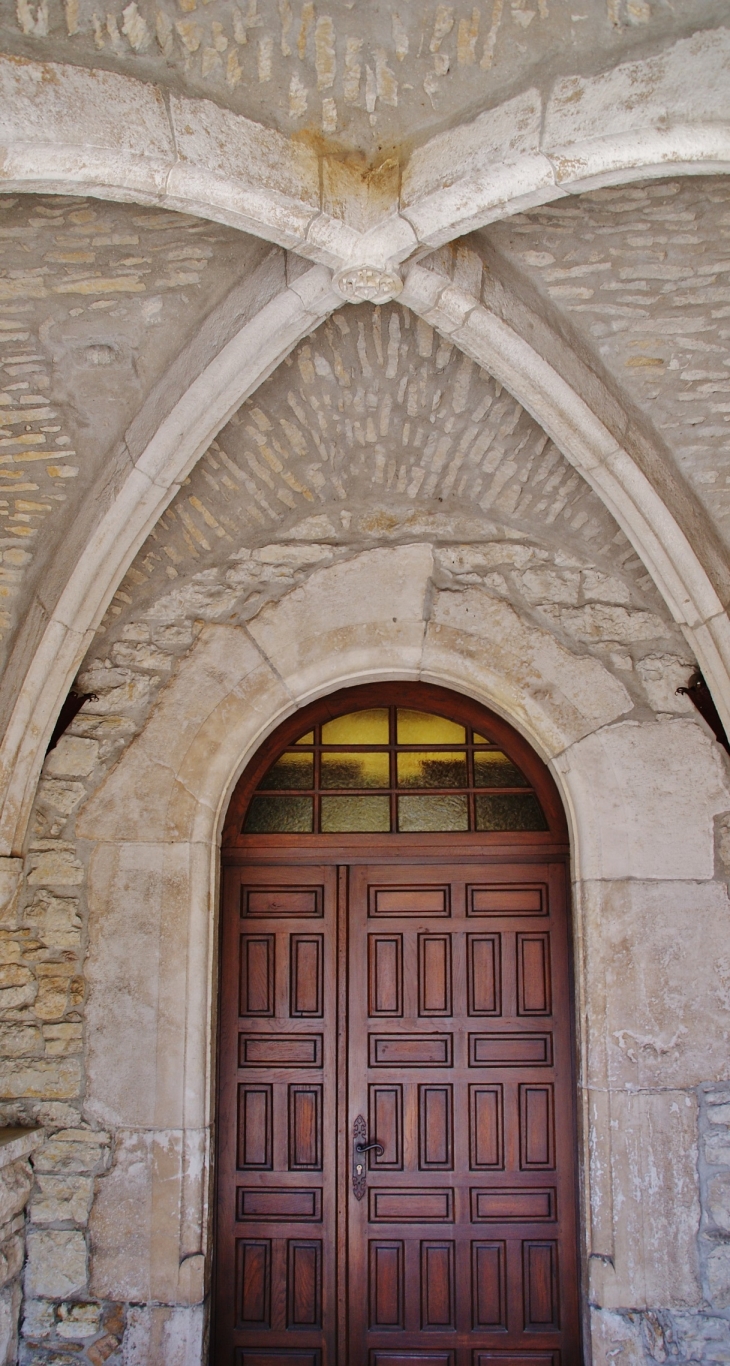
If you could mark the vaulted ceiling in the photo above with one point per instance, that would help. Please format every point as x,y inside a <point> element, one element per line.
<point>340,276</point>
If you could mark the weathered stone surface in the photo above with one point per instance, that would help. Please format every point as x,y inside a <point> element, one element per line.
<point>73,1150</point>
<point>102,1349</point>
<point>61,1039</point>
<point>135,1220</point>
<point>38,1318</point>
<point>718,1202</point>
<point>61,1198</point>
<point>55,869</point>
<point>11,871</point>
<point>78,1321</point>
<point>12,1252</point>
<point>365,611</point>
<point>9,1310</point>
<point>56,919</point>
<point>665,1005</point>
<point>717,1149</point>
<point>528,672</point>
<point>20,1041</point>
<point>73,757</point>
<point>56,1264</point>
<point>654,1182</point>
<point>718,1276</point>
<point>174,1336</point>
<point>15,1183</point>
<point>41,1079</point>
<point>645,827</point>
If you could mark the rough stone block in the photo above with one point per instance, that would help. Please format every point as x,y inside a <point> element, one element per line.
<point>629,784</point>
<point>718,1276</point>
<point>12,1252</point>
<point>73,1150</point>
<point>102,1349</point>
<point>73,757</point>
<point>59,1199</point>
<point>38,1318</point>
<point>9,1312</point>
<point>718,1201</point>
<point>56,919</point>
<point>655,1200</point>
<point>54,868</point>
<point>717,1149</point>
<point>15,1183</point>
<point>58,989</point>
<point>78,1321</point>
<point>11,871</point>
<point>663,996</point>
<point>56,1264</point>
<point>557,696</point>
<point>18,987</point>
<point>174,1336</point>
<point>61,1039</point>
<point>62,797</point>
<point>20,1040</point>
<point>42,1079</point>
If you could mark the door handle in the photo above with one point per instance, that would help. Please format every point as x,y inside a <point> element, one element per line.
<point>360,1146</point>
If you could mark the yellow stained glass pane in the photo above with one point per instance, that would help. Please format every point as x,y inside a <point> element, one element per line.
<point>358,728</point>
<point>307,739</point>
<point>293,769</point>
<point>423,728</point>
<point>355,770</point>
<point>481,739</point>
<point>345,814</point>
<point>434,769</point>
<point>437,812</point>
<point>510,812</point>
<point>269,815</point>
<point>492,768</point>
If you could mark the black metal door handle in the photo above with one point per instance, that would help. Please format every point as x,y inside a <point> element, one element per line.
<point>360,1146</point>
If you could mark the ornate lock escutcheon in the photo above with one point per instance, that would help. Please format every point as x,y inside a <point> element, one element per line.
<point>360,1147</point>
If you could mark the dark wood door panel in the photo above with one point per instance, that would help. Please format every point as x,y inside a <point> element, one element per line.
<point>277,1200</point>
<point>461,1059</point>
<point>454,1044</point>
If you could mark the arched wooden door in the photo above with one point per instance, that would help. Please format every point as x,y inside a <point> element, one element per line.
<point>396,975</point>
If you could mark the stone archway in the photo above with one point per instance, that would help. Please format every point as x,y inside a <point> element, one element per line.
<point>643,873</point>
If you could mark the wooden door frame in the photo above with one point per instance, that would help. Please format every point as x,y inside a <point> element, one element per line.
<point>343,851</point>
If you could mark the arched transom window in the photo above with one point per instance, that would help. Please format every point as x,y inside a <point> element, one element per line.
<point>393,769</point>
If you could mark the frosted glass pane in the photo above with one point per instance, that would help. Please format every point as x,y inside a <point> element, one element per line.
<point>358,728</point>
<point>293,769</point>
<point>510,812</point>
<point>492,768</point>
<point>422,728</point>
<point>355,770</point>
<point>269,815</point>
<point>307,739</point>
<point>351,814</point>
<point>431,770</point>
<point>433,813</point>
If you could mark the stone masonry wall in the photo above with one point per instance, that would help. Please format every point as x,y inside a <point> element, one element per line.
<point>540,550</point>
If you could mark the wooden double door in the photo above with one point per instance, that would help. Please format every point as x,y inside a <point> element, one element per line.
<point>422,1006</point>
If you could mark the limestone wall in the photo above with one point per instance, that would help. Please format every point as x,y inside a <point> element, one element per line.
<point>110,944</point>
<point>282,570</point>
